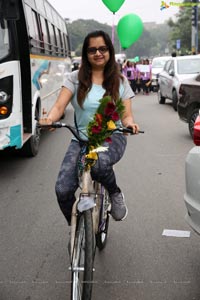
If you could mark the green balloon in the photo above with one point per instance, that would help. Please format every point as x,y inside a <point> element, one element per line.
<point>113,5</point>
<point>135,59</point>
<point>129,30</point>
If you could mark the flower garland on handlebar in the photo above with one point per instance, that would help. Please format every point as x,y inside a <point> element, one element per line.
<point>100,128</point>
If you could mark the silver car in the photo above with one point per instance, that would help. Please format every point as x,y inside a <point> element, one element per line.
<point>176,70</point>
<point>156,67</point>
<point>192,177</point>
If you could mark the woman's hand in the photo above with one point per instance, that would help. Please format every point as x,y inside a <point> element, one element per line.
<point>45,121</point>
<point>135,127</point>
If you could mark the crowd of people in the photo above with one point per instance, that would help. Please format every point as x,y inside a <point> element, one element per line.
<point>139,75</point>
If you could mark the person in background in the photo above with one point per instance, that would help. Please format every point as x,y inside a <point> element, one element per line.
<point>129,71</point>
<point>98,76</point>
<point>138,79</point>
<point>119,65</point>
<point>146,78</point>
<point>75,66</point>
<point>135,72</point>
<point>140,74</point>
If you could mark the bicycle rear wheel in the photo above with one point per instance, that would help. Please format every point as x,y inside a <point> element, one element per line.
<point>83,258</point>
<point>102,234</point>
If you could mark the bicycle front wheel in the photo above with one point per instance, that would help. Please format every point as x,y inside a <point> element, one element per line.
<point>102,234</point>
<point>83,258</point>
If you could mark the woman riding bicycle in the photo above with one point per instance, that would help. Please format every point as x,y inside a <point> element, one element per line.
<point>97,77</point>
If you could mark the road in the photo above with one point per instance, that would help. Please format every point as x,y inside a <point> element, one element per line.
<point>139,263</point>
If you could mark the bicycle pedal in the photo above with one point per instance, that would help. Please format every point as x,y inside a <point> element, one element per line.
<point>76,269</point>
<point>79,269</point>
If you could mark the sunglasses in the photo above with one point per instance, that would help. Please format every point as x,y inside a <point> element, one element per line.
<point>93,50</point>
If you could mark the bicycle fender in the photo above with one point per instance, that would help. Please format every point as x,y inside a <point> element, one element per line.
<point>85,202</point>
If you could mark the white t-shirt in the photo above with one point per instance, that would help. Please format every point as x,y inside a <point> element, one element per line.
<point>85,115</point>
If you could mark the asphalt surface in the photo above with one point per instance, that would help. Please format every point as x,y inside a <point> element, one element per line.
<point>139,263</point>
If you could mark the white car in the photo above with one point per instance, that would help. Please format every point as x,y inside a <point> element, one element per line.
<point>192,179</point>
<point>157,66</point>
<point>176,70</point>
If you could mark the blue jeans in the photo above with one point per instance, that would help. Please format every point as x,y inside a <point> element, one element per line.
<point>102,171</point>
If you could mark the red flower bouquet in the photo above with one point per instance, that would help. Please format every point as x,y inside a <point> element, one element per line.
<point>104,121</point>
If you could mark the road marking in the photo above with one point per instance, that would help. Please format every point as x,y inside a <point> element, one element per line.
<point>176,233</point>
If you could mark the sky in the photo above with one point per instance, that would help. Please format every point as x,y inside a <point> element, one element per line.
<point>147,10</point>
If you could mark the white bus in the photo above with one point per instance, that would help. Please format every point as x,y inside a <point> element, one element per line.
<point>34,56</point>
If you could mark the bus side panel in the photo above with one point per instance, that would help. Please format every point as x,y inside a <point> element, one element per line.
<point>47,78</point>
<point>11,127</point>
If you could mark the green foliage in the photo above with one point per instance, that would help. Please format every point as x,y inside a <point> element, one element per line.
<point>181,29</point>
<point>80,28</point>
<point>147,46</point>
<point>153,41</point>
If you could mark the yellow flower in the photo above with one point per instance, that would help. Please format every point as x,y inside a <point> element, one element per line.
<point>92,155</point>
<point>111,125</point>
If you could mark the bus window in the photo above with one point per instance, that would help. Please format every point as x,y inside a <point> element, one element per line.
<point>68,44</point>
<point>60,43</point>
<point>54,39</point>
<point>45,35</point>
<point>34,30</point>
<point>4,40</point>
<point>48,36</point>
<point>32,26</point>
<point>65,45</point>
<point>51,37</point>
<point>41,35</point>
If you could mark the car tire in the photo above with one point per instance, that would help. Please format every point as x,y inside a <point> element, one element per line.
<point>161,99</point>
<point>191,120</point>
<point>174,100</point>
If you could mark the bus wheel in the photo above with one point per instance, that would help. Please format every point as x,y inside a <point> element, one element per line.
<point>31,147</point>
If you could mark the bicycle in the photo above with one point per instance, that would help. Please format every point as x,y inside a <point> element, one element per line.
<point>89,222</point>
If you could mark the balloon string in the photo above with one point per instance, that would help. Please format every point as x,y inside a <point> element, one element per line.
<point>113,29</point>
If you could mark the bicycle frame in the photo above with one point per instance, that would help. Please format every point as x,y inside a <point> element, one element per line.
<point>90,197</point>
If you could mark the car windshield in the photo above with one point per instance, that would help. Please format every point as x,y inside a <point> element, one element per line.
<point>158,63</point>
<point>186,66</point>
<point>4,39</point>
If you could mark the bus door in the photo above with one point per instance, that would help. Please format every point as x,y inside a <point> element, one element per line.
<point>10,96</point>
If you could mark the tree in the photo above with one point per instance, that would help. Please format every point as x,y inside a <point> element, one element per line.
<point>153,42</point>
<point>80,28</point>
<point>181,29</point>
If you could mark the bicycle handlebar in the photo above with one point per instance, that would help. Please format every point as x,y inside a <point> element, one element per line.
<point>75,133</point>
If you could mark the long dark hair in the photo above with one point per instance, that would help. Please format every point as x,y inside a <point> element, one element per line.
<point>112,74</point>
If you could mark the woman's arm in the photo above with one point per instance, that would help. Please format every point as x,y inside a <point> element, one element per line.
<point>59,107</point>
<point>127,118</point>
